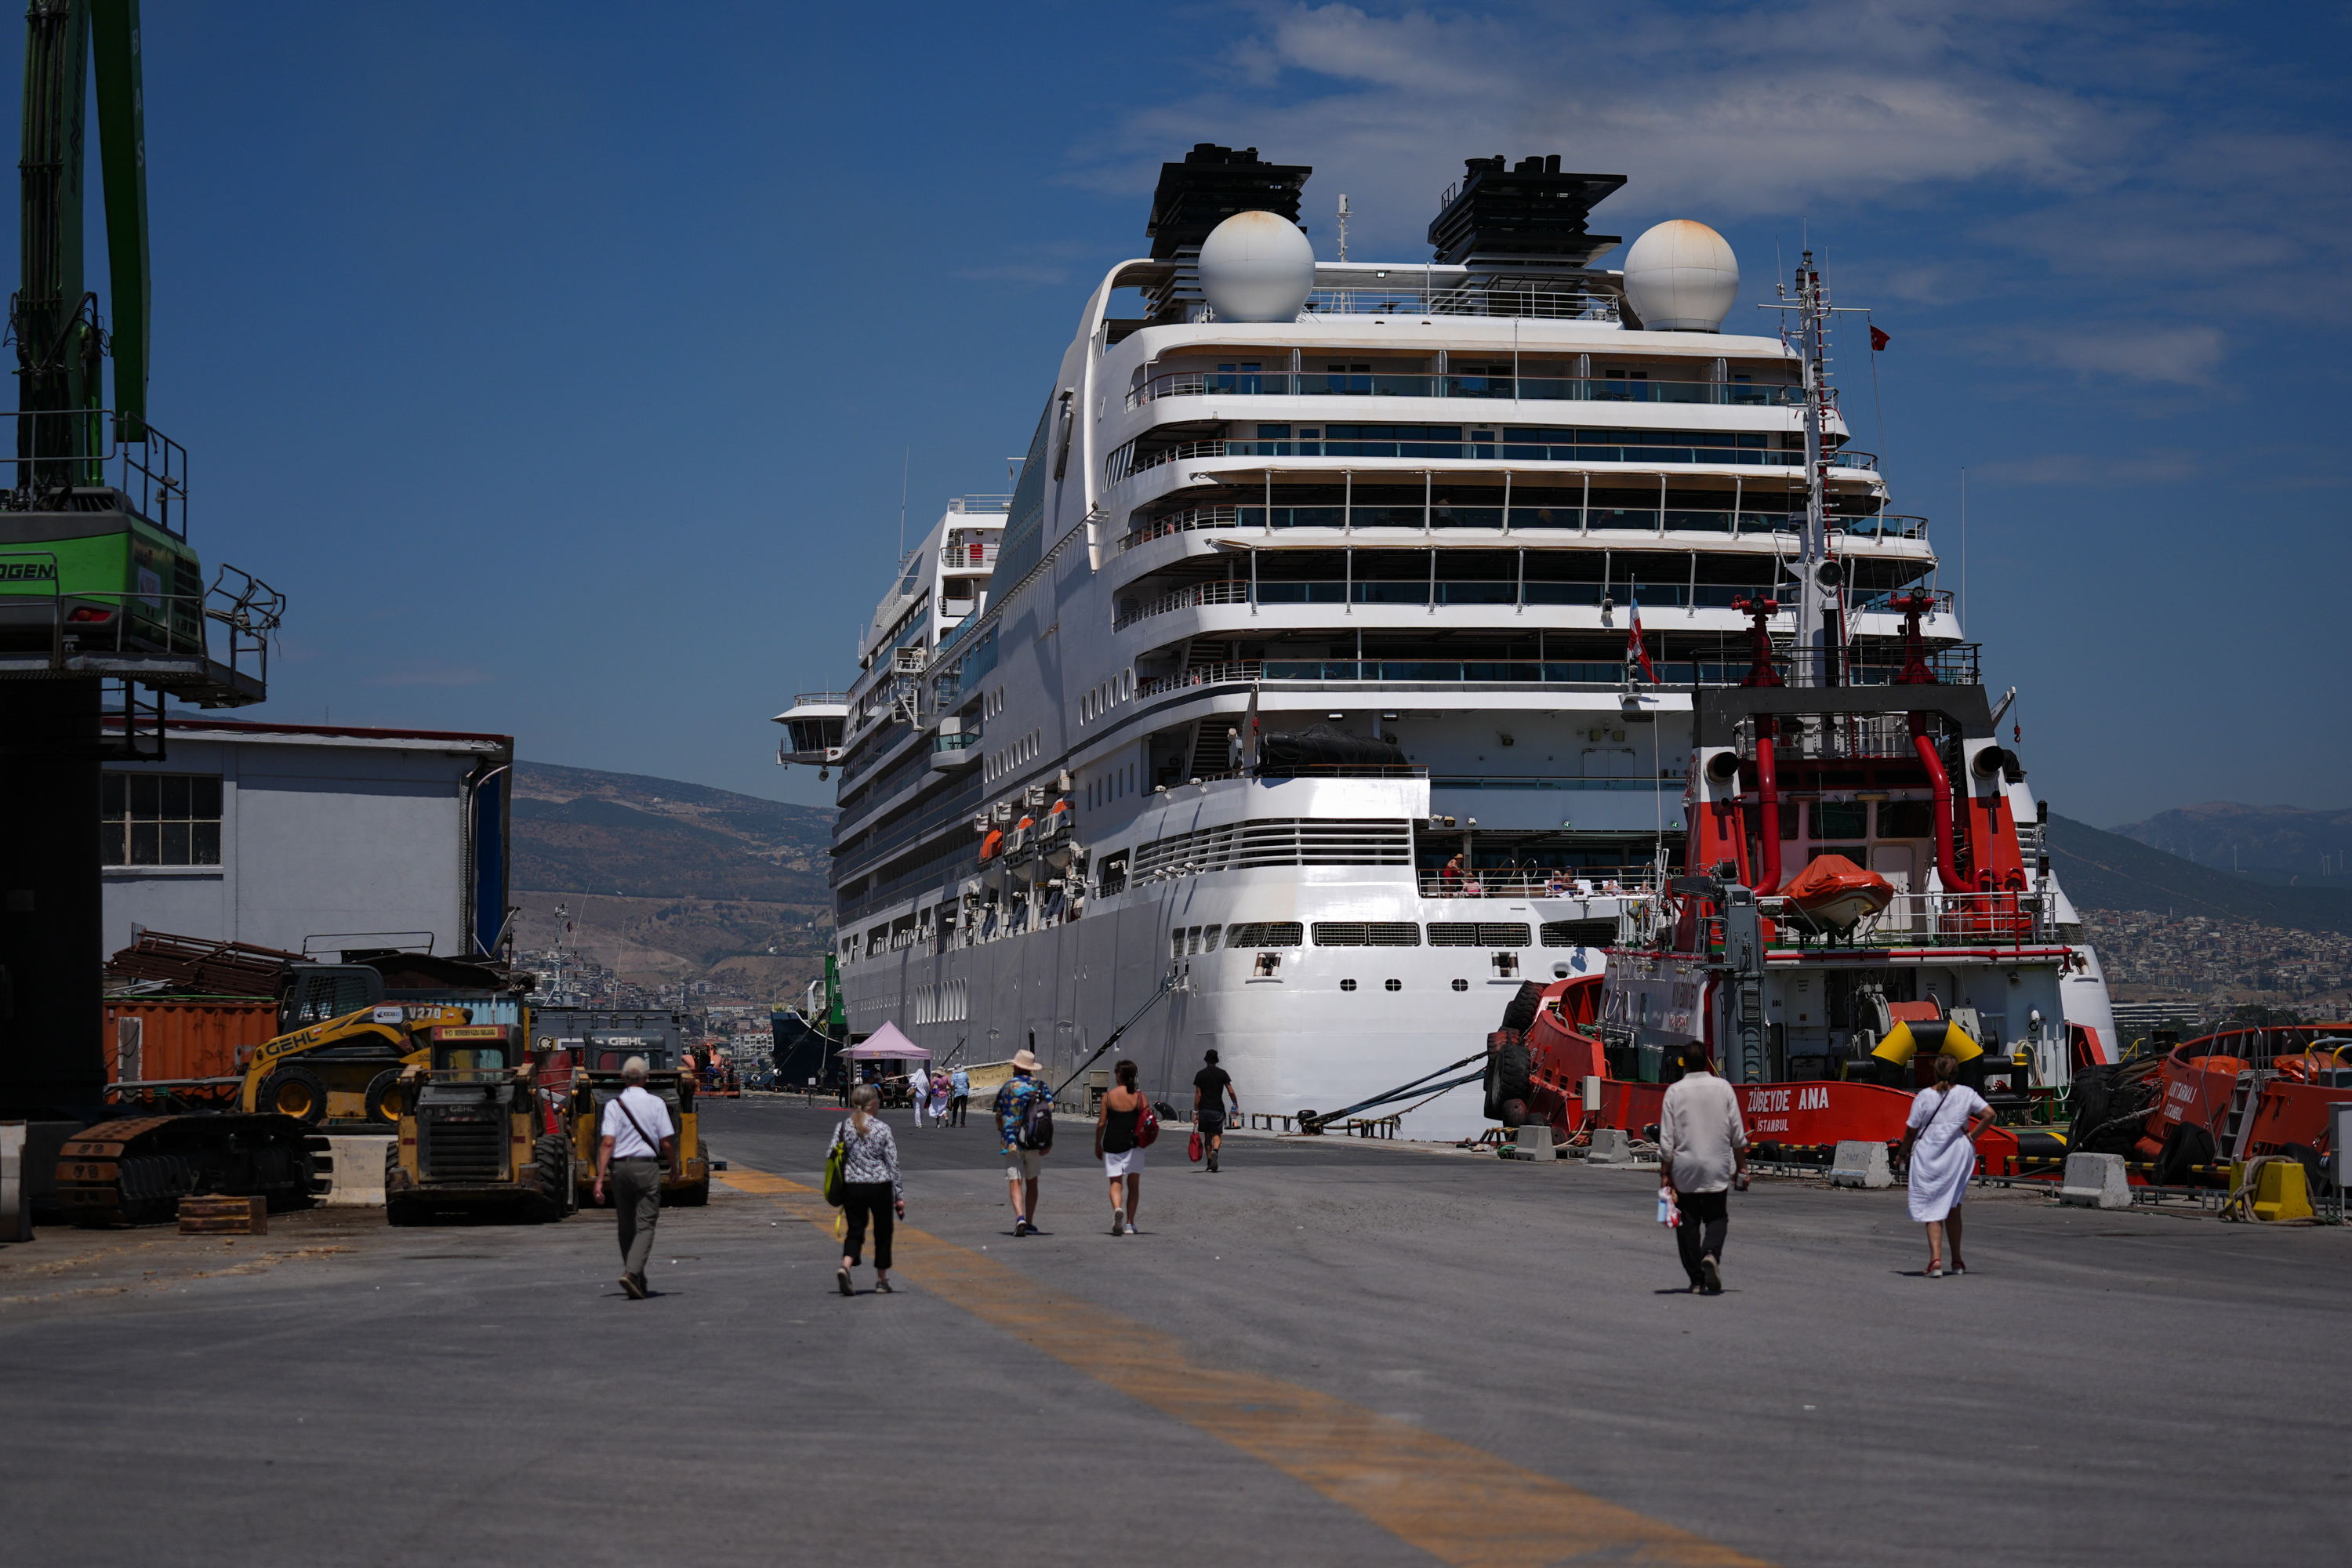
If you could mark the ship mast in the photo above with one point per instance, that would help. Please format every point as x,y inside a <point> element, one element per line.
<point>1820,578</point>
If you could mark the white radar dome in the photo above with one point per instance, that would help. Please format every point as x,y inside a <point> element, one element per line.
<point>1681,277</point>
<point>1256,267</point>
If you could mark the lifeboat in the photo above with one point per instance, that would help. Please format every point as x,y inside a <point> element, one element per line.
<point>1838,895</point>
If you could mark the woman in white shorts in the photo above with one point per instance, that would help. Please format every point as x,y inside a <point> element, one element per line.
<point>1117,1148</point>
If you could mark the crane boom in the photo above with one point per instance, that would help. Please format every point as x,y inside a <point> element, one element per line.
<point>59,343</point>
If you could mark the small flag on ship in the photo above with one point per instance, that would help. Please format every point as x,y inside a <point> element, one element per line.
<point>1635,654</point>
<point>1878,339</point>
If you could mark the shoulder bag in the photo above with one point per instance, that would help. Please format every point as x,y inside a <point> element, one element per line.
<point>837,1167</point>
<point>1147,1122</point>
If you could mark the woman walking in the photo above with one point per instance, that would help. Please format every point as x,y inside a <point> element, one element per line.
<point>940,1099</point>
<point>1940,1143</point>
<point>870,1185</point>
<point>1116,1147</point>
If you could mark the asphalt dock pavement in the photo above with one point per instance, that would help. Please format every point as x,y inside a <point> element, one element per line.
<point>1329,1351</point>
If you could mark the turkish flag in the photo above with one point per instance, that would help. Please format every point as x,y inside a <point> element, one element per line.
<point>1635,654</point>
<point>1878,339</point>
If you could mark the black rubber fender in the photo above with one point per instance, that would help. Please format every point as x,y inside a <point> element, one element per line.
<point>1520,1014</point>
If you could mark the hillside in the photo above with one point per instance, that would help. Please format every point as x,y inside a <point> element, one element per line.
<point>663,881</point>
<point>2278,844</point>
<point>2103,870</point>
<point>626,835</point>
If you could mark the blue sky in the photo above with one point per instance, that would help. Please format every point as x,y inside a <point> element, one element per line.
<point>560,361</point>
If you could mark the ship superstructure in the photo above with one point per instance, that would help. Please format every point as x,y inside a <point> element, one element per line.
<point>1335,661</point>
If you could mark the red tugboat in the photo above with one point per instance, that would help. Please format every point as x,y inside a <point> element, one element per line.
<point>1863,889</point>
<point>1826,999</point>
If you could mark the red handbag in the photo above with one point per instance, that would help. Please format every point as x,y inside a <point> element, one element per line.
<point>1147,1123</point>
<point>1194,1151</point>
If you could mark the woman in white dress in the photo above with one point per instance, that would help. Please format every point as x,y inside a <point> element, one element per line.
<point>1940,1143</point>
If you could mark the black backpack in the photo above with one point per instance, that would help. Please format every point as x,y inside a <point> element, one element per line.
<point>1037,1122</point>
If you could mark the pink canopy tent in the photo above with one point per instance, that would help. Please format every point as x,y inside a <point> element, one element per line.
<point>884,1045</point>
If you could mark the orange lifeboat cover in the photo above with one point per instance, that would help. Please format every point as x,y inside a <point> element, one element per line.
<point>992,844</point>
<point>1833,885</point>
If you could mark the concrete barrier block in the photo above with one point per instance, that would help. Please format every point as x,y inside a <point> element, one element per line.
<point>1610,1146</point>
<point>16,1203</point>
<point>1861,1165</point>
<point>1535,1141</point>
<point>352,1165</point>
<point>2095,1182</point>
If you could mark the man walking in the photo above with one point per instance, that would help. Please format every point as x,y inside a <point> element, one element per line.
<point>960,1095</point>
<point>1702,1149</point>
<point>637,1141</point>
<point>1021,1103</point>
<point>1212,1086</point>
<point>918,1092</point>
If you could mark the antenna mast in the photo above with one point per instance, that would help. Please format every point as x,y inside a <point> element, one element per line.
<point>1821,587</point>
<point>1343,225</point>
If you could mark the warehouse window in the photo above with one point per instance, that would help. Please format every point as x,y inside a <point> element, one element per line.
<point>161,819</point>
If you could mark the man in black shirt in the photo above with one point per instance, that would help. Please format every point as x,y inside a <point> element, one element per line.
<point>1212,1086</point>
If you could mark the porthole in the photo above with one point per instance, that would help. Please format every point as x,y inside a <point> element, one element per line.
<point>1347,986</point>
<point>1462,985</point>
<point>1396,984</point>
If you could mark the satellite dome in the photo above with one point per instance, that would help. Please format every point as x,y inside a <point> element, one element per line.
<point>1681,277</point>
<point>1257,267</point>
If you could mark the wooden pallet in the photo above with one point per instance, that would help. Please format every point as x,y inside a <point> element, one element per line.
<point>224,1216</point>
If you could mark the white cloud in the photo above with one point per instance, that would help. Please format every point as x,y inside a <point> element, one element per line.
<point>2079,468</point>
<point>2129,153</point>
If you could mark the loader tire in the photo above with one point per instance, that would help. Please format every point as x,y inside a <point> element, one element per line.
<point>382,1108</point>
<point>552,1160</point>
<point>293,1090</point>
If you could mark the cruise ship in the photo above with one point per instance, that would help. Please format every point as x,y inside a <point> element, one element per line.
<point>1339,661</point>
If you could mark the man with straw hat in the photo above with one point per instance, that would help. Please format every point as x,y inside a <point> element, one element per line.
<point>1024,1119</point>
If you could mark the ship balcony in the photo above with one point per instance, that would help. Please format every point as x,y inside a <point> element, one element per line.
<point>1738,392</point>
<point>952,751</point>
<point>1432,594</point>
<point>1136,459</point>
<point>1955,665</point>
<point>1546,516</point>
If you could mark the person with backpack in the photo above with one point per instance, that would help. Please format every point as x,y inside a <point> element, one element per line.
<point>870,1187</point>
<point>637,1140</point>
<point>1122,1132</point>
<point>1024,1119</point>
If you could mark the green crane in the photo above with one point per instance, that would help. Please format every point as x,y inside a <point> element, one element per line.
<point>130,580</point>
<point>99,592</point>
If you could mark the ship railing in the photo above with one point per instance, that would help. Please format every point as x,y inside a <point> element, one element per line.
<point>1205,383</point>
<point>968,553</point>
<point>1132,459</point>
<point>1428,671</point>
<point>119,623</point>
<point>1535,884</point>
<point>1553,304</point>
<point>971,504</point>
<point>62,449</point>
<point>1921,920</point>
<point>821,700</point>
<point>1737,522</point>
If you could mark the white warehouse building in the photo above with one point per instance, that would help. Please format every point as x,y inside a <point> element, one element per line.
<point>310,837</point>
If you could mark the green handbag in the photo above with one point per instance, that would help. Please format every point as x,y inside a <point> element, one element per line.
<point>836,1164</point>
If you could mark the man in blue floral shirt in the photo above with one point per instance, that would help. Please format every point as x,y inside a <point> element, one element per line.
<point>1022,1164</point>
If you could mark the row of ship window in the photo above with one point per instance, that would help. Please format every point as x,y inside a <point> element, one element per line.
<point>1191,939</point>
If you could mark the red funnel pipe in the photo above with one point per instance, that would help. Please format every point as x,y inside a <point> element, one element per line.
<point>1942,785</point>
<point>1768,809</point>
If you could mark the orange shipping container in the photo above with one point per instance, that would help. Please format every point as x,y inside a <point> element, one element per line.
<point>148,1038</point>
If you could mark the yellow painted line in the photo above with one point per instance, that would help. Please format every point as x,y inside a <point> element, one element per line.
<point>1460,1504</point>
